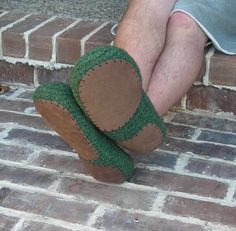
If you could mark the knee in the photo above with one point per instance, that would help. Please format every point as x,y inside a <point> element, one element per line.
<point>182,25</point>
<point>180,20</point>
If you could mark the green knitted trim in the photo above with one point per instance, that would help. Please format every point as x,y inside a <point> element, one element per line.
<point>109,153</point>
<point>145,113</point>
<point>93,58</point>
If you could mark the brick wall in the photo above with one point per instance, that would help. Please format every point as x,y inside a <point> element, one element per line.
<point>36,49</point>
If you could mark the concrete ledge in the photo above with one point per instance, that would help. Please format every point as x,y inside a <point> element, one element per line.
<point>36,49</point>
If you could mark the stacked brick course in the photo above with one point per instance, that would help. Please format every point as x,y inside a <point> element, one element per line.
<point>187,184</point>
<point>36,49</point>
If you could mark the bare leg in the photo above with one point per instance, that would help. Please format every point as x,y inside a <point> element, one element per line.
<point>179,63</point>
<point>142,32</point>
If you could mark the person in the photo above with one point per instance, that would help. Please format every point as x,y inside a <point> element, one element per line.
<point>167,39</point>
<point>117,94</point>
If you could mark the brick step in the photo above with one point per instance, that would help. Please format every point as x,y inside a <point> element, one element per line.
<point>37,49</point>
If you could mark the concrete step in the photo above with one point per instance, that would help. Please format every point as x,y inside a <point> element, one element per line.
<point>37,49</point>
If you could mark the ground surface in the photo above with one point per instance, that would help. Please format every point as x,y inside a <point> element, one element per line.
<point>188,184</point>
<point>87,9</point>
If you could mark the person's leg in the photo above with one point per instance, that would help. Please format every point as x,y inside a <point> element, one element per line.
<point>179,63</point>
<point>142,32</point>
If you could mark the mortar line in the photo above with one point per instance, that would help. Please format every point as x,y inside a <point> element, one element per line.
<point>147,213</point>
<point>30,111</point>
<point>206,142</point>
<point>99,212</point>
<point>133,186</point>
<point>196,134</point>
<point>33,189</point>
<point>43,219</point>
<point>21,113</point>
<point>220,87</point>
<point>231,192</point>
<point>35,78</point>
<point>7,27</point>
<point>78,175</point>
<point>186,173</point>
<point>159,203</point>
<point>53,187</point>
<point>11,98</point>
<point>28,32</point>
<point>23,165</point>
<point>3,13</point>
<point>17,126</point>
<point>54,38</point>
<point>202,128</point>
<point>16,94</point>
<point>202,113</point>
<point>188,220</point>
<point>182,162</point>
<point>41,148</point>
<point>151,168</point>
<point>201,157</point>
<point>19,225</point>
<point>184,102</point>
<point>208,56</point>
<point>88,36</point>
<point>38,190</point>
<point>45,64</point>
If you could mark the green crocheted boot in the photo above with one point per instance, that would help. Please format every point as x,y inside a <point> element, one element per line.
<point>106,83</point>
<point>102,157</point>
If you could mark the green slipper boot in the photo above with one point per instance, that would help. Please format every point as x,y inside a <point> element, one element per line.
<point>106,83</point>
<point>101,156</point>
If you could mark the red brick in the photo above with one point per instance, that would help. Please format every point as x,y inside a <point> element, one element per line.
<point>15,105</point>
<point>12,39</point>
<point>60,163</point>
<point>4,192</point>
<point>14,153</point>
<point>40,41</point>
<point>126,198</point>
<point>68,43</point>
<point>180,131</point>
<point>101,38</point>
<point>215,169</point>
<point>27,202</point>
<point>200,209</point>
<point>223,69</point>
<point>7,223</point>
<point>180,183</point>
<point>16,73</point>
<point>205,122</point>
<point>213,99</point>
<point>156,158</point>
<point>26,120</point>
<point>218,137</point>
<point>10,17</point>
<point>202,149</point>
<point>26,176</point>
<point>71,211</point>
<point>45,76</point>
<point>39,139</point>
<point>125,221</point>
<point>30,226</point>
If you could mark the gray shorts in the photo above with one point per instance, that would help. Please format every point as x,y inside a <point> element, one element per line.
<point>217,18</point>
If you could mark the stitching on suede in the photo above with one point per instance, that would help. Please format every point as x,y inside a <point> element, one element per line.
<point>81,86</point>
<point>75,123</point>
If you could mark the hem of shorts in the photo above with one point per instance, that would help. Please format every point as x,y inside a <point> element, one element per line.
<point>210,36</point>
